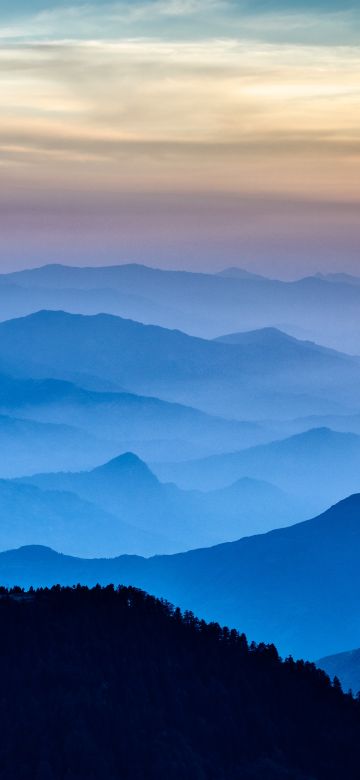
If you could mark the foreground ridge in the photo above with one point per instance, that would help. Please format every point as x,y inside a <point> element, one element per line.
<point>113,683</point>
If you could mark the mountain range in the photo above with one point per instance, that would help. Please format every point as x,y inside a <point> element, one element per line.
<point>200,303</point>
<point>29,445</point>
<point>67,522</point>
<point>177,435</point>
<point>159,517</point>
<point>259,378</point>
<point>119,422</point>
<point>318,466</point>
<point>298,587</point>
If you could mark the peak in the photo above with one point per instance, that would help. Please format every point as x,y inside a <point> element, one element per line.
<point>32,552</point>
<point>246,485</point>
<point>48,314</point>
<point>319,436</point>
<point>270,332</point>
<point>322,431</point>
<point>60,316</point>
<point>326,433</point>
<point>126,465</point>
<point>125,459</point>
<point>264,336</point>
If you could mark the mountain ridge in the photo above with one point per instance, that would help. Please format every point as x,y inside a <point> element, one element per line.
<point>120,684</point>
<point>298,586</point>
<point>127,488</point>
<point>319,462</point>
<point>231,380</point>
<point>123,418</point>
<point>199,303</point>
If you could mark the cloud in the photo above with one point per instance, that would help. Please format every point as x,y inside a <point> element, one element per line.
<point>189,97</point>
<point>214,92</point>
<point>108,19</point>
<point>187,19</point>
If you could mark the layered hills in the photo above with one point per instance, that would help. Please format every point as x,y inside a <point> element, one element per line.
<point>298,587</point>
<point>200,303</point>
<point>256,379</point>
<point>169,518</point>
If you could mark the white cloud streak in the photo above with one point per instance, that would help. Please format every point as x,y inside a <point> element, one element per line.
<point>187,19</point>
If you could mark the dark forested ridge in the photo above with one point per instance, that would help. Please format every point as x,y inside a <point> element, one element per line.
<point>103,684</point>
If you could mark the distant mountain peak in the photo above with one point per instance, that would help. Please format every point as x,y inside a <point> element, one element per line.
<point>267,336</point>
<point>239,273</point>
<point>123,460</point>
<point>324,433</point>
<point>34,552</point>
<point>127,466</point>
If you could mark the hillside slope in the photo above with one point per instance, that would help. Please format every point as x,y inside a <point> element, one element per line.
<point>298,587</point>
<point>107,684</point>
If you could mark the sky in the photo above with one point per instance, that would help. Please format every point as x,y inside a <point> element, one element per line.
<point>181,133</point>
